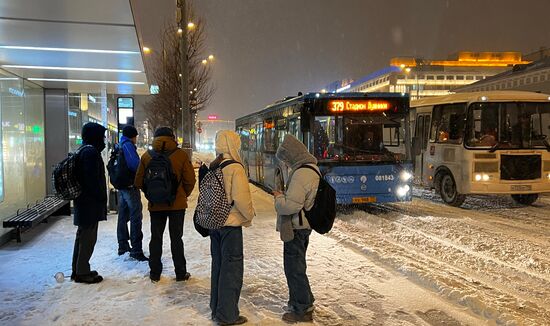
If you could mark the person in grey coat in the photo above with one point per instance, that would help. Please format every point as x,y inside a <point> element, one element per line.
<point>301,189</point>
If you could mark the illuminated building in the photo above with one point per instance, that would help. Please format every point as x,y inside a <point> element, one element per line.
<point>534,77</point>
<point>422,78</point>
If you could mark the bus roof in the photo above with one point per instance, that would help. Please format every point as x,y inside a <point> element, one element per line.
<point>492,96</point>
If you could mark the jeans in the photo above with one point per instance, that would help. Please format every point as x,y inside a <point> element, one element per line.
<point>84,243</point>
<point>300,297</point>
<point>129,210</point>
<point>226,248</point>
<point>175,226</point>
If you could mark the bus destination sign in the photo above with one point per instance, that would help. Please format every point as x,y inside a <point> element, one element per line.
<point>358,105</point>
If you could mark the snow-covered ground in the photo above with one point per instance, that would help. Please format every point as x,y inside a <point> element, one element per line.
<point>419,263</point>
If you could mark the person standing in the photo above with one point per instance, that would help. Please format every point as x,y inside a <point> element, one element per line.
<point>91,206</point>
<point>172,207</point>
<point>226,244</point>
<point>293,226</point>
<point>129,199</point>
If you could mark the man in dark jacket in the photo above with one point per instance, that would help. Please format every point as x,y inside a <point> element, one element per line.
<point>91,206</point>
<point>129,200</point>
<point>165,143</point>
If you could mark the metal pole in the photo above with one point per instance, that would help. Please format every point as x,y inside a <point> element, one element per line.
<point>186,112</point>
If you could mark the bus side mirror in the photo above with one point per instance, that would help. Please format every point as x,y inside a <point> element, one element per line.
<point>416,146</point>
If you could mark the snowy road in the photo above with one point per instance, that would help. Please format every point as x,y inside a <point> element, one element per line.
<point>419,263</point>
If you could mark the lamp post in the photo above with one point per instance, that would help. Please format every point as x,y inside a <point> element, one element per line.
<point>186,127</point>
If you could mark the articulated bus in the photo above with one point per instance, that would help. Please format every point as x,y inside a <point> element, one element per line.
<point>361,142</point>
<point>483,143</point>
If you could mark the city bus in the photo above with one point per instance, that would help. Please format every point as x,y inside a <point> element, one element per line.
<point>482,143</point>
<point>361,142</point>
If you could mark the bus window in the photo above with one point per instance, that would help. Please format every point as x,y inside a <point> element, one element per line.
<point>294,128</point>
<point>259,137</point>
<point>391,135</point>
<point>448,123</point>
<point>323,135</point>
<point>281,130</point>
<point>245,135</point>
<point>270,142</point>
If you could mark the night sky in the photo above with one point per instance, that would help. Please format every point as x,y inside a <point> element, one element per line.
<point>268,49</point>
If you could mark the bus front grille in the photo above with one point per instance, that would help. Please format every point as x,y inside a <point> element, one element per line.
<point>520,167</point>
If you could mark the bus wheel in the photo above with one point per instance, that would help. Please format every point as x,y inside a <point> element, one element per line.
<point>525,199</point>
<point>448,192</point>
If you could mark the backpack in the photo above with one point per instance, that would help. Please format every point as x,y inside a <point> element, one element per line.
<point>120,175</point>
<point>321,215</point>
<point>64,177</point>
<point>160,184</point>
<point>212,208</point>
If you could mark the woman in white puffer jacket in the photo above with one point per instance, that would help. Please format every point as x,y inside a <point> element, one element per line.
<point>293,226</point>
<point>226,244</point>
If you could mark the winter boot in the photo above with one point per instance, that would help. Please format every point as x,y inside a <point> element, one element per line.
<point>241,320</point>
<point>88,279</point>
<point>92,273</point>
<point>292,317</point>
<point>139,257</point>
<point>183,277</point>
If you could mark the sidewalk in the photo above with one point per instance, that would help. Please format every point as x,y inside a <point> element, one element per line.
<point>349,289</point>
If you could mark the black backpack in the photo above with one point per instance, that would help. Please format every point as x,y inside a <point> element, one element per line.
<point>321,215</point>
<point>65,176</point>
<point>120,175</point>
<point>160,184</point>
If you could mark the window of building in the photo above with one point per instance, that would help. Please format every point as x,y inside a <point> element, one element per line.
<point>430,77</point>
<point>440,77</point>
<point>536,79</point>
<point>450,77</point>
<point>460,77</point>
<point>400,76</point>
<point>528,80</point>
<point>469,77</point>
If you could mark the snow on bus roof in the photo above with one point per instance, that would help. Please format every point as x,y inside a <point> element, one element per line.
<point>493,96</point>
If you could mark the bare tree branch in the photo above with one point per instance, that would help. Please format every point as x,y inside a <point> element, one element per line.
<point>165,109</point>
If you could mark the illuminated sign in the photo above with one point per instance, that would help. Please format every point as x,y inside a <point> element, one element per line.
<point>92,99</point>
<point>125,102</point>
<point>269,124</point>
<point>212,117</point>
<point>154,89</point>
<point>16,92</point>
<point>358,106</point>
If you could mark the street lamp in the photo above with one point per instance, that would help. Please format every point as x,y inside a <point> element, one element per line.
<point>204,61</point>
<point>146,50</point>
<point>211,57</point>
<point>190,25</point>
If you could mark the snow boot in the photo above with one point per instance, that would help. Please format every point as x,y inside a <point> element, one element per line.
<point>241,320</point>
<point>154,277</point>
<point>88,279</point>
<point>92,273</point>
<point>183,277</point>
<point>292,317</point>
<point>139,257</point>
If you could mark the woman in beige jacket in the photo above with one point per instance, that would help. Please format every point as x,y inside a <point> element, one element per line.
<point>226,244</point>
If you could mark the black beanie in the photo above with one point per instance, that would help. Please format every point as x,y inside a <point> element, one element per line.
<point>164,131</point>
<point>129,132</point>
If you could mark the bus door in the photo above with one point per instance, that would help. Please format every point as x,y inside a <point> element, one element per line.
<point>260,153</point>
<point>421,134</point>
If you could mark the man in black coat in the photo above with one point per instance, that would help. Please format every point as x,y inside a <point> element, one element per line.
<point>91,206</point>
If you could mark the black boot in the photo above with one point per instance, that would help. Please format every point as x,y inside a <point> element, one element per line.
<point>88,279</point>
<point>92,273</point>
<point>139,257</point>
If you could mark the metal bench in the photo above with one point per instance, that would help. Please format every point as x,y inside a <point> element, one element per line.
<point>37,213</point>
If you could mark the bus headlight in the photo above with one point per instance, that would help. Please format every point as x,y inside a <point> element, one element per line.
<point>405,176</point>
<point>480,177</point>
<point>402,191</point>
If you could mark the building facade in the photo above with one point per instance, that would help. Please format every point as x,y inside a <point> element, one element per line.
<point>421,78</point>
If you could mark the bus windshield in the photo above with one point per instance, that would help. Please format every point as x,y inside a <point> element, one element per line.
<point>359,138</point>
<point>514,125</point>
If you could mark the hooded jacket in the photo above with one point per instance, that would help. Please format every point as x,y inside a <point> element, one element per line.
<point>235,180</point>
<point>91,206</point>
<point>301,186</point>
<point>182,167</point>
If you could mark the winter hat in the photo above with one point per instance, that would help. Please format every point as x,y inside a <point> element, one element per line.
<point>164,131</point>
<point>228,142</point>
<point>293,153</point>
<point>129,132</point>
<point>94,134</point>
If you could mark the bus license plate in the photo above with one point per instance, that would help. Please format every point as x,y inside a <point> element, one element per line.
<point>520,187</point>
<point>363,200</point>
